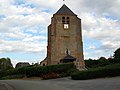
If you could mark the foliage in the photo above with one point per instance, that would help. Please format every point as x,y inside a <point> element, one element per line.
<point>114,61</point>
<point>107,71</point>
<point>117,54</point>
<point>12,77</point>
<point>46,72</point>
<point>5,64</point>
<point>102,61</point>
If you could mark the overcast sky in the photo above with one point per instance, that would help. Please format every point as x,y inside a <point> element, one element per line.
<point>23,27</point>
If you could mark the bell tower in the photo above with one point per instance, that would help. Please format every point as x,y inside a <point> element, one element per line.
<point>65,38</point>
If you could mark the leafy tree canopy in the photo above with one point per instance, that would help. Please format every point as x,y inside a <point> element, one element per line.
<point>5,64</point>
<point>117,54</point>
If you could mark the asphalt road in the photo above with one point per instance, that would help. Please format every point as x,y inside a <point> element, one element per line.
<point>66,84</point>
<point>32,85</point>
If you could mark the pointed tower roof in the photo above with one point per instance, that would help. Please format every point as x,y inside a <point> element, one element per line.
<point>64,10</point>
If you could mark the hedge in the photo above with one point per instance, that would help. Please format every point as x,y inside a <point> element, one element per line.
<point>101,62</point>
<point>107,71</point>
<point>12,77</point>
<point>46,72</point>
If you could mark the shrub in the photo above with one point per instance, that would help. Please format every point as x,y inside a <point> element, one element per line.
<point>12,77</point>
<point>55,71</point>
<point>103,61</point>
<point>51,71</point>
<point>107,71</point>
<point>114,61</point>
<point>93,63</point>
<point>50,75</point>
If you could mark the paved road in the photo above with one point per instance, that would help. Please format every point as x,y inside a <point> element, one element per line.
<point>95,84</point>
<point>2,87</point>
<point>66,84</point>
<point>32,85</point>
<point>5,86</point>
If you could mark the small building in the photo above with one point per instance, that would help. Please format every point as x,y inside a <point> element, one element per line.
<point>67,59</point>
<point>44,62</point>
<point>22,64</point>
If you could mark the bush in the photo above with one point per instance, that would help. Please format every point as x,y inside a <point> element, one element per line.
<point>12,77</point>
<point>114,61</point>
<point>51,71</point>
<point>50,75</point>
<point>107,71</point>
<point>102,61</point>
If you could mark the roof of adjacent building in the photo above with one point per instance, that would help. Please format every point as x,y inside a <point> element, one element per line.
<point>69,57</point>
<point>64,10</point>
<point>22,64</point>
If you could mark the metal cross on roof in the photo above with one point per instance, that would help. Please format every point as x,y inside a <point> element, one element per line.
<point>63,0</point>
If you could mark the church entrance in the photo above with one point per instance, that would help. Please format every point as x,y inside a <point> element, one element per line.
<point>67,59</point>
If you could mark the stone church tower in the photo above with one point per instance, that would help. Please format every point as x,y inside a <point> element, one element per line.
<point>65,39</point>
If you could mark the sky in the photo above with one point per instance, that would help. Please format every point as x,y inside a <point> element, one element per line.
<point>23,27</point>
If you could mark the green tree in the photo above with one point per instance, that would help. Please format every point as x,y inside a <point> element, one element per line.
<point>5,64</point>
<point>103,61</point>
<point>91,63</point>
<point>117,54</point>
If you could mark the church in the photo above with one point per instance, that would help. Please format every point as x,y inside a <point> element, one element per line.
<point>65,39</point>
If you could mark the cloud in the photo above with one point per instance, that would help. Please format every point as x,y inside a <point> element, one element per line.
<point>99,7</point>
<point>102,29</point>
<point>18,46</point>
<point>23,25</point>
<point>20,28</point>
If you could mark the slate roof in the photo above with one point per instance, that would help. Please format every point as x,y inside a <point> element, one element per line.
<point>64,10</point>
<point>68,57</point>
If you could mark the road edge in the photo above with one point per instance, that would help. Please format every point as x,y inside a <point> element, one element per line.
<point>7,86</point>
